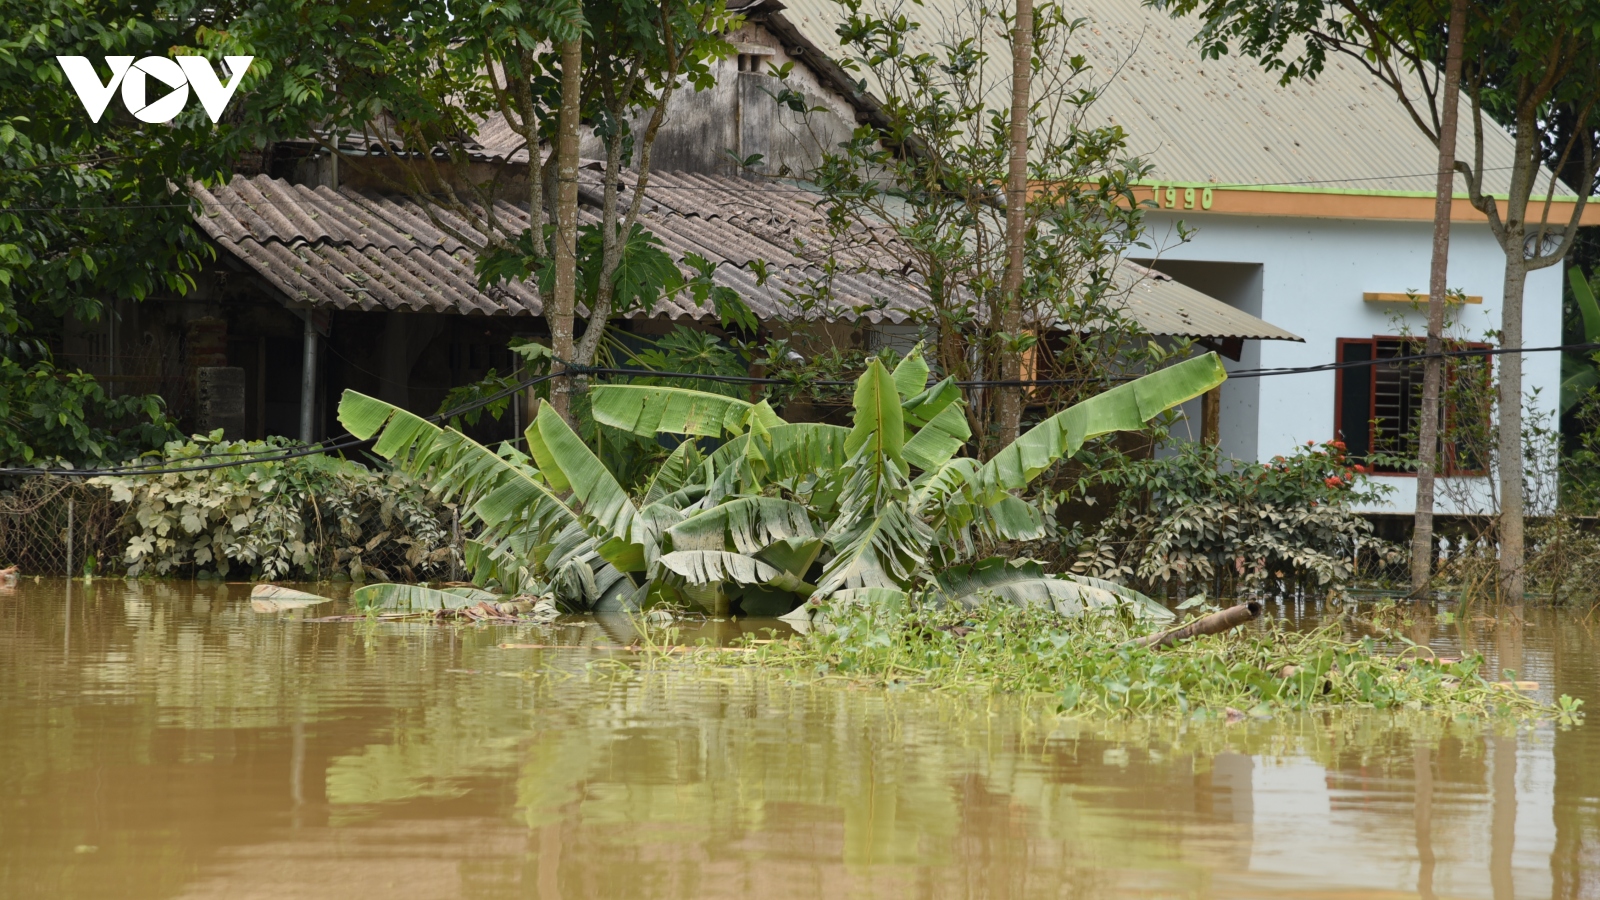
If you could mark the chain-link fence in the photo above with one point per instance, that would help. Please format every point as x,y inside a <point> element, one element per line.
<point>60,526</point>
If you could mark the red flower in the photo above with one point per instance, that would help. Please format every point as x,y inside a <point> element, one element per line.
<point>1333,481</point>
<point>1338,444</point>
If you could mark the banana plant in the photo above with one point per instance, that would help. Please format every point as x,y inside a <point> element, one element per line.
<point>1580,373</point>
<point>780,513</point>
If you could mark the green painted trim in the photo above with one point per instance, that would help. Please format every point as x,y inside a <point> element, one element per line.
<point>1345,192</point>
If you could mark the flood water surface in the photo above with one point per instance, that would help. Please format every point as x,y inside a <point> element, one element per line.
<point>163,740</point>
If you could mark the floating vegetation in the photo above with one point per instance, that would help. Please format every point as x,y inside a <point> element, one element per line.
<point>1091,665</point>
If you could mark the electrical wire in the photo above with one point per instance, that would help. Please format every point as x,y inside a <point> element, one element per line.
<point>759,188</point>
<point>574,370</point>
<point>266,456</point>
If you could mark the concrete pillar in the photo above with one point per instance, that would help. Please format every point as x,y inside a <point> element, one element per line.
<point>308,381</point>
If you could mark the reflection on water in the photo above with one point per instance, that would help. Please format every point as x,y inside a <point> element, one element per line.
<point>165,741</point>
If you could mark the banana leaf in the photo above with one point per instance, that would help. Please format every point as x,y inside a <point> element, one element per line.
<point>676,472</point>
<point>1126,407</point>
<point>648,410</point>
<point>515,502</point>
<point>877,542</point>
<point>415,598</point>
<point>607,511</point>
<point>879,421</point>
<point>700,567</point>
<point>1579,372</point>
<point>749,523</point>
<point>911,375</point>
<point>1024,582</point>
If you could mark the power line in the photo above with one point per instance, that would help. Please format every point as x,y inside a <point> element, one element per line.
<point>269,456</point>
<point>765,188</point>
<point>573,371</point>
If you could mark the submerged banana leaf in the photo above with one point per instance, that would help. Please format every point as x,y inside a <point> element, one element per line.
<point>1024,582</point>
<point>1126,407</point>
<point>415,598</point>
<point>648,410</point>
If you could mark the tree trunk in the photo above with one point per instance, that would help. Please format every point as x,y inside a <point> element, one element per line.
<point>537,201</point>
<point>1512,582</point>
<point>1008,405</point>
<point>560,311</point>
<point>1211,417</point>
<point>1432,377</point>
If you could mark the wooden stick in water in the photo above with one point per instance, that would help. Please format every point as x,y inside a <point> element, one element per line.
<point>1216,623</point>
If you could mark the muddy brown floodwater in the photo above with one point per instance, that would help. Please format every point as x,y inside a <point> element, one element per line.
<point>162,740</point>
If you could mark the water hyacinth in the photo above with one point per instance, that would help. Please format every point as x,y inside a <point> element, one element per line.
<point>1089,665</point>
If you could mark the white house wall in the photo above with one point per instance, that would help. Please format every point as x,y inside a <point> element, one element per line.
<point>1313,275</point>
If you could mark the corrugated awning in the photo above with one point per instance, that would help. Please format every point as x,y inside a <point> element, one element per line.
<point>1162,305</point>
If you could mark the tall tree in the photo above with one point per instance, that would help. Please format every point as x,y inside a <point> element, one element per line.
<point>87,215</point>
<point>1010,399</point>
<point>1438,284</point>
<point>563,301</point>
<point>1523,62</point>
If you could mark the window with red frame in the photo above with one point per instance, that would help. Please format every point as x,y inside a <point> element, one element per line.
<point>1376,406</point>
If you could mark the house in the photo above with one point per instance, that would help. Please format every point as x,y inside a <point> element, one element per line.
<point>1313,205</point>
<point>324,280</point>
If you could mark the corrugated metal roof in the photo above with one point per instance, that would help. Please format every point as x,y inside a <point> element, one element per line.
<point>1225,121</point>
<point>1162,305</point>
<point>350,250</point>
<point>355,250</point>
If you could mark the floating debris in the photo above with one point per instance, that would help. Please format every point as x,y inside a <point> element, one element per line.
<point>272,598</point>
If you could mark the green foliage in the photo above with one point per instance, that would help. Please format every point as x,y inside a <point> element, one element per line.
<point>473,393</point>
<point>87,210</point>
<point>1580,372</point>
<point>688,351</point>
<point>1190,520</point>
<point>1262,669</point>
<point>779,510</point>
<point>53,417</point>
<point>308,517</point>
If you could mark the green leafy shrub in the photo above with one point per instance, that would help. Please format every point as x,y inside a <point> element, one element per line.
<point>1194,520</point>
<point>311,516</point>
<point>52,416</point>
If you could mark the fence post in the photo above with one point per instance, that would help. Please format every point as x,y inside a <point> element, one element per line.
<point>69,537</point>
